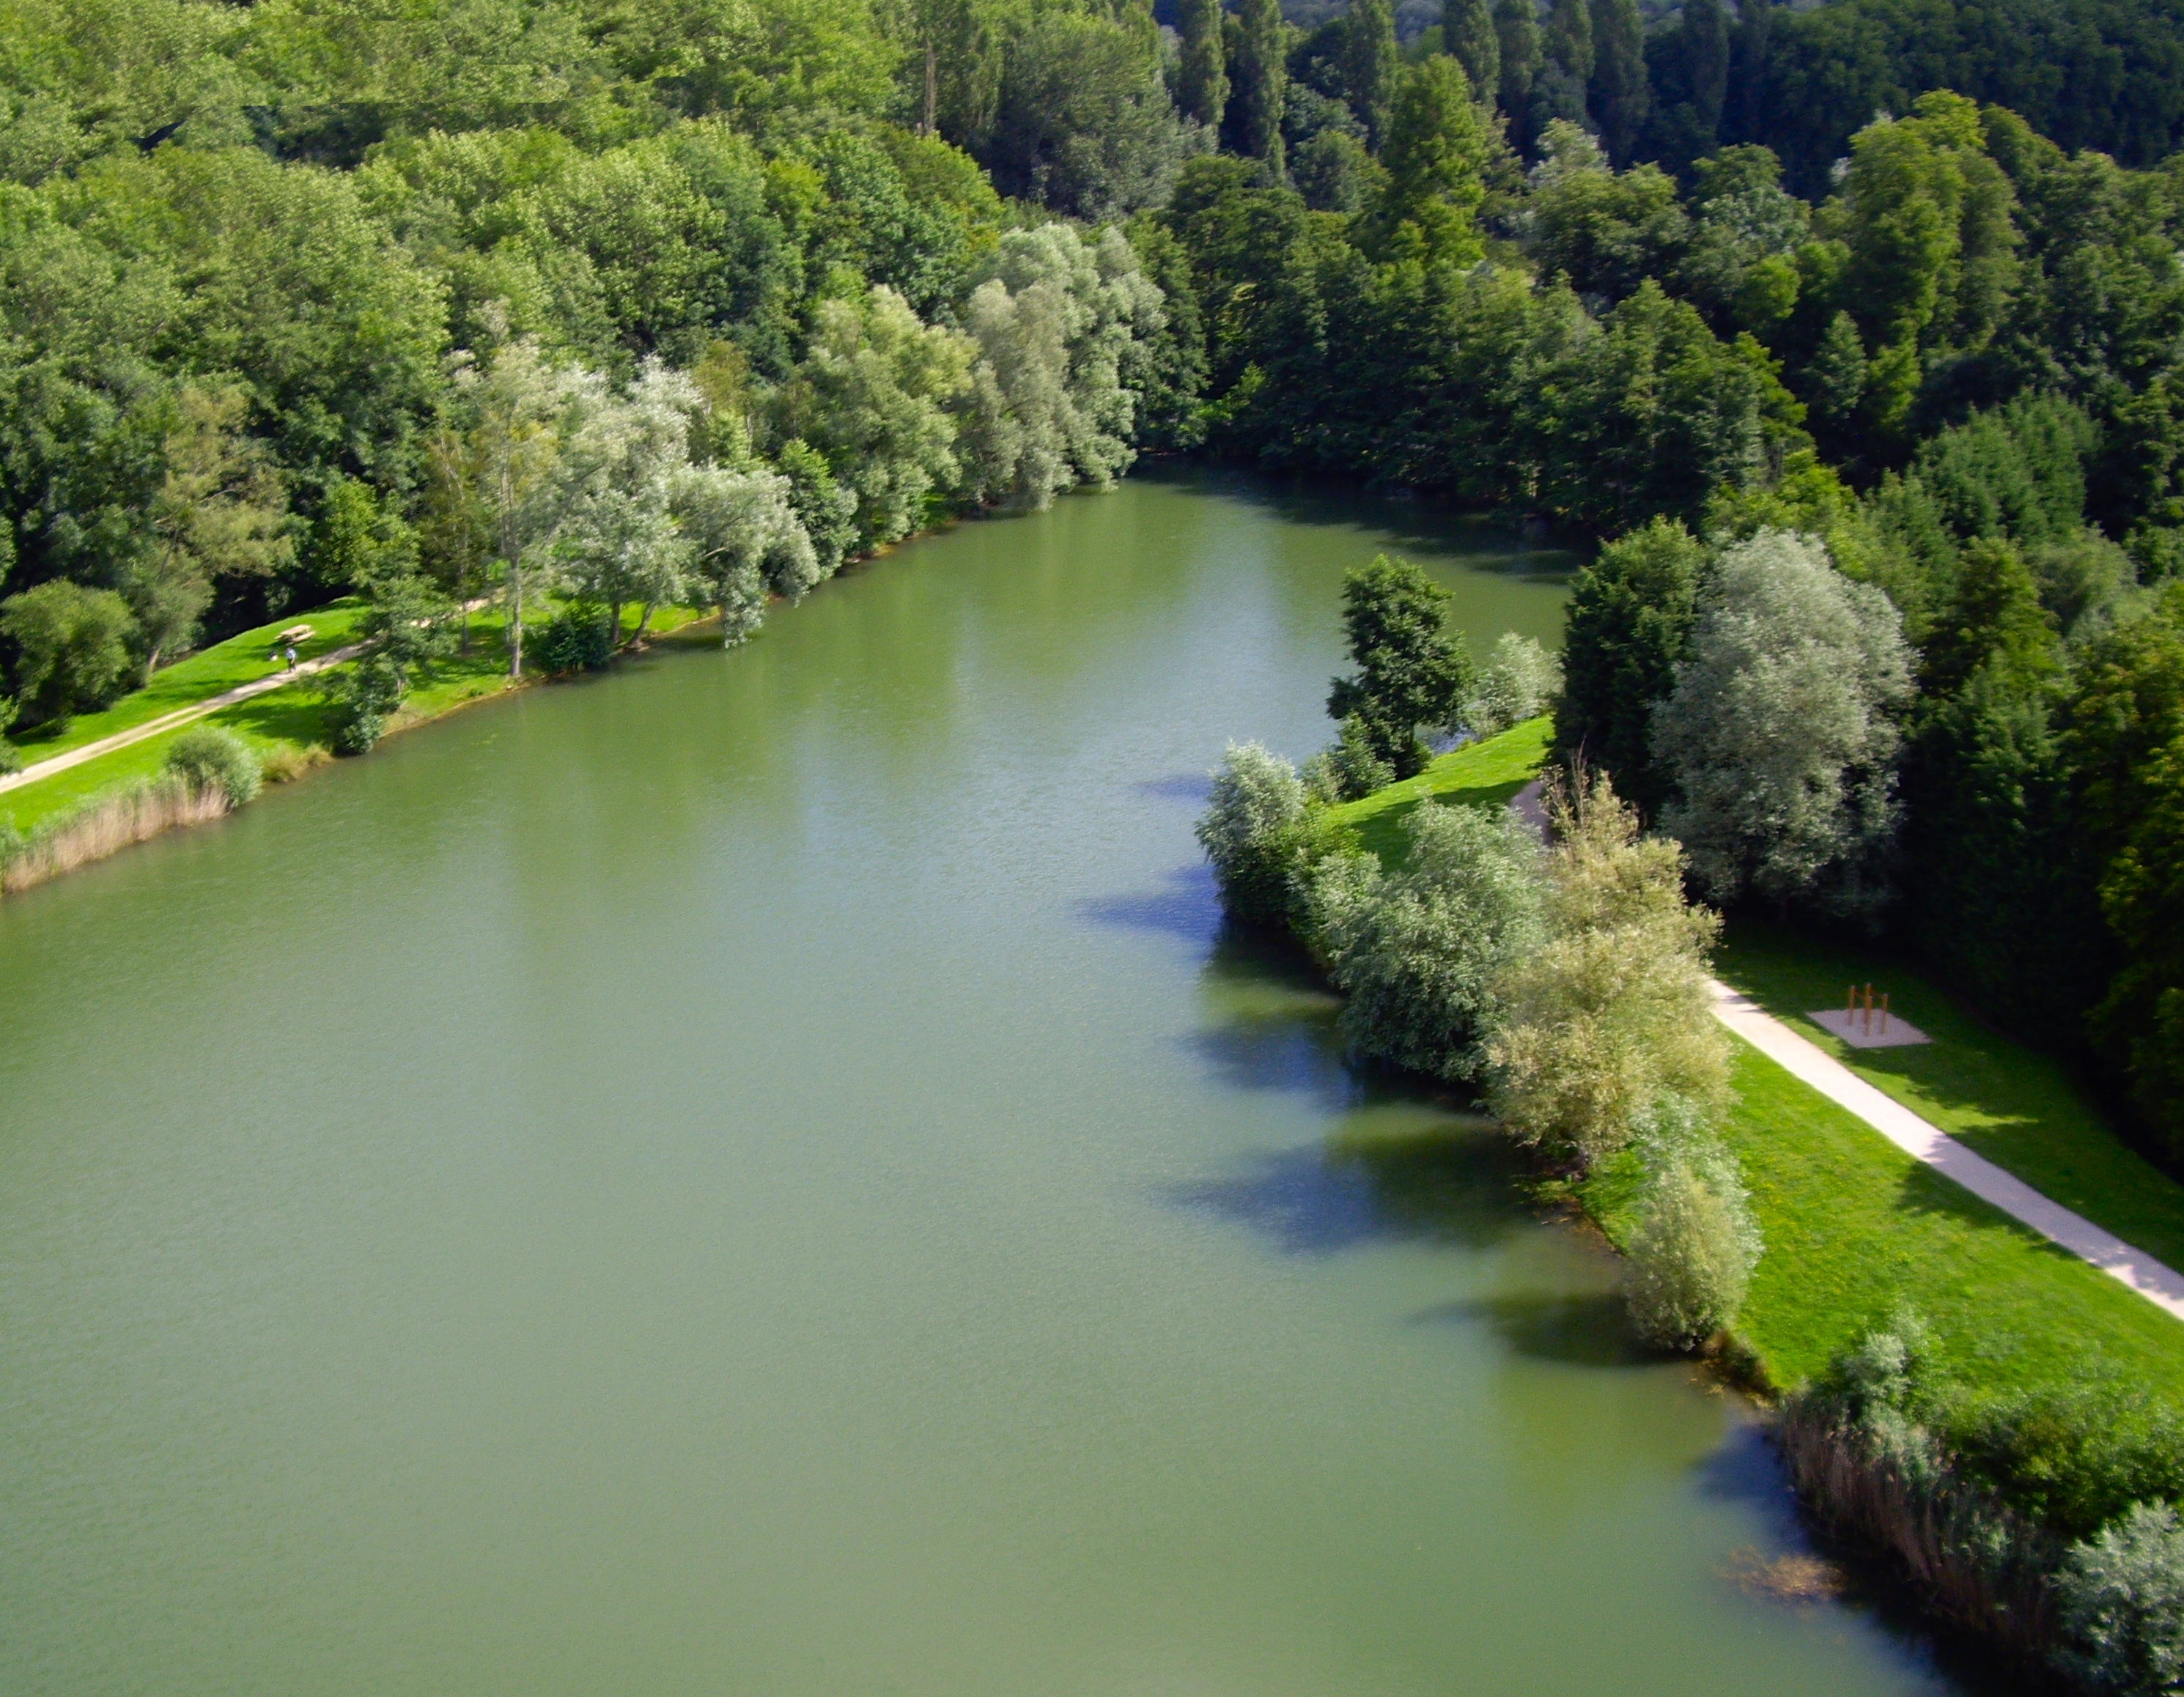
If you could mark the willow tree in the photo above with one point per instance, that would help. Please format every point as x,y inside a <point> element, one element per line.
<point>1048,410</point>
<point>1781,736</point>
<point>519,408</point>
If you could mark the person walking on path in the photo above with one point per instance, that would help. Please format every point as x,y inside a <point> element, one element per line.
<point>290,651</point>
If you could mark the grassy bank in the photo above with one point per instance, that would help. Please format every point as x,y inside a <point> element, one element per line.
<point>1479,774</point>
<point>1854,1225</point>
<point>288,729</point>
<point>240,659</point>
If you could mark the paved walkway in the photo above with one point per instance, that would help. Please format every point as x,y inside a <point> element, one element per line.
<point>2157,1282</point>
<point>181,715</point>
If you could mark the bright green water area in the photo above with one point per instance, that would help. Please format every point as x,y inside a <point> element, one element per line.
<point>759,1175</point>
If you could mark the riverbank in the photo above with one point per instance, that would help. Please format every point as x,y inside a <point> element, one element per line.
<point>1855,1226</point>
<point>53,823</point>
<point>2024,1356</point>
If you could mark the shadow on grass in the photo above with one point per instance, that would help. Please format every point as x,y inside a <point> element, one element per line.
<point>1589,1331</point>
<point>1926,1192</point>
<point>297,715</point>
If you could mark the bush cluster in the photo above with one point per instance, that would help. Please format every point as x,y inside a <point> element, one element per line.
<point>574,639</point>
<point>1420,953</point>
<point>2058,1506</point>
<point>1612,1013</point>
<point>1569,982</point>
<point>209,757</point>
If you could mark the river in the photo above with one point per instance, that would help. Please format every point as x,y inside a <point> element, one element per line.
<point>759,1174</point>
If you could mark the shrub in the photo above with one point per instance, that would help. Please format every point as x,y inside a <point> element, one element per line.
<point>1418,953</point>
<point>211,757</point>
<point>2074,1456</point>
<point>1612,1011</point>
<point>1349,770</point>
<point>574,639</point>
<point>364,697</point>
<point>113,818</point>
<point>1862,1452</point>
<point>1515,684</point>
<point>2120,1597</point>
<point>1249,832</point>
<point>1695,1243</point>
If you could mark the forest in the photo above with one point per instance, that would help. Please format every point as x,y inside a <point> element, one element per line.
<point>692,302</point>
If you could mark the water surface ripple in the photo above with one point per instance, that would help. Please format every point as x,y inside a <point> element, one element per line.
<point>760,1174</point>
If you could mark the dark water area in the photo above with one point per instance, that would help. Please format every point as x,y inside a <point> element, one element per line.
<point>763,1174</point>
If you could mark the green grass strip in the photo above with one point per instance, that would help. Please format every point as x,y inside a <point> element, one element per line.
<point>1482,774</point>
<point>1855,1226</point>
<point>292,719</point>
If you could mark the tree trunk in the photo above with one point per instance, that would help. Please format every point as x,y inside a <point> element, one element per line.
<point>643,619</point>
<point>932,93</point>
<point>614,626</point>
<point>515,622</point>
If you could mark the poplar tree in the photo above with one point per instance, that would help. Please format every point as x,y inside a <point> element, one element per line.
<point>1203,94</point>
<point>1517,32</point>
<point>1617,87</point>
<point>1565,65</point>
<point>1468,33</point>
<point>1259,81</point>
<point>1706,50</point>
<point>1748,74</point>
<point>1368,66</point>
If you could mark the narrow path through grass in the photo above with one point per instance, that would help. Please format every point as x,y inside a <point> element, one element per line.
<point>2018,1108</point>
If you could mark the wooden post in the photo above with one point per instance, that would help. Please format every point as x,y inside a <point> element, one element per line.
<point>1869,1010</point>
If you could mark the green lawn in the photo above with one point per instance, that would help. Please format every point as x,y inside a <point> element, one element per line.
<point>2018,1108</point>
<point>1480,773</point>
<point>211,671</point>
<point>1854,1225</point>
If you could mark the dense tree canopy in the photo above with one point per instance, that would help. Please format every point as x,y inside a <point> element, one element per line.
<point>694,300</point>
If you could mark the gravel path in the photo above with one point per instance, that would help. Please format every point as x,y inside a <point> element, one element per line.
<point>181,715</point>
<point>2157,1283</point>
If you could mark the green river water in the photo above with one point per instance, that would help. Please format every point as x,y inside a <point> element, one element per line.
<point>759,1175</point>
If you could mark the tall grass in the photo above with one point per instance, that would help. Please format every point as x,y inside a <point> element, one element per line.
<point>1887,1486</point>
<point>104,824</point>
